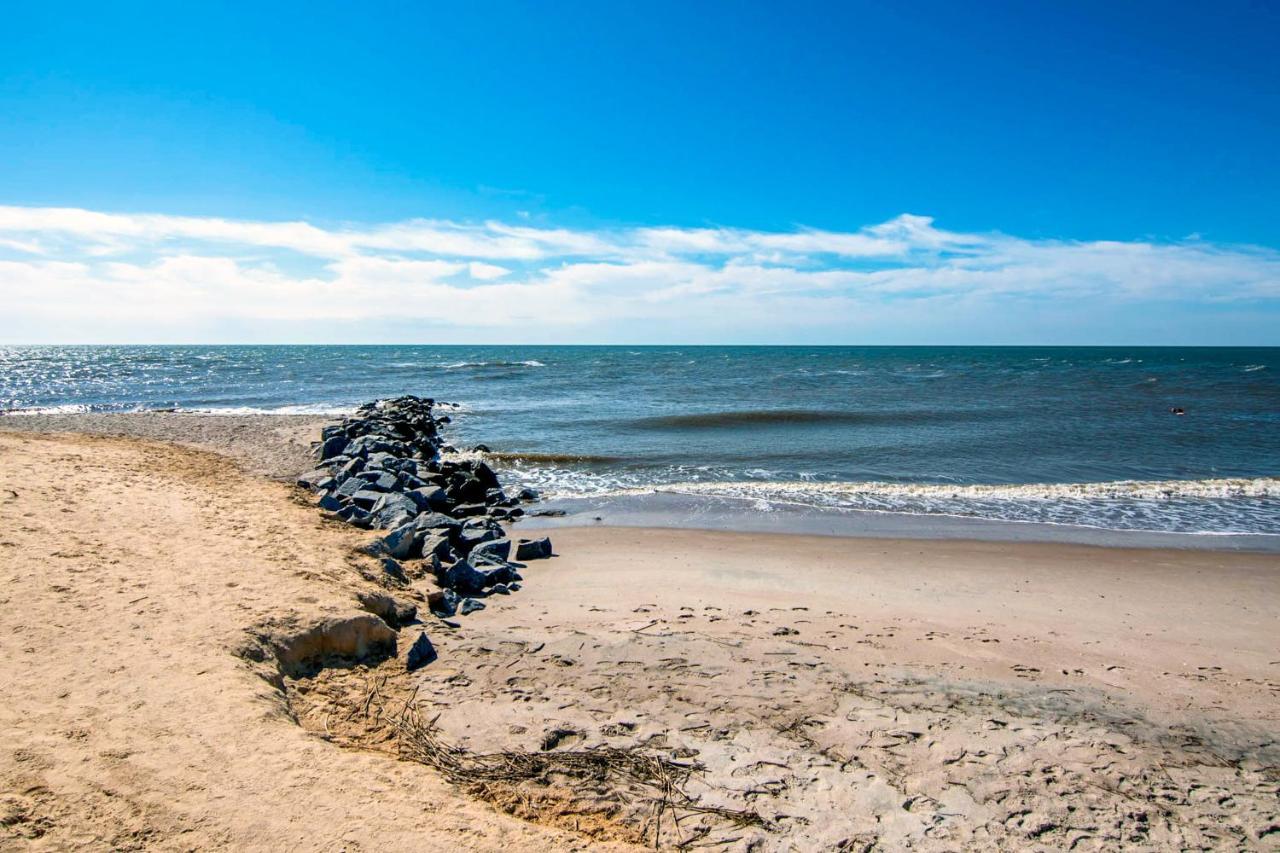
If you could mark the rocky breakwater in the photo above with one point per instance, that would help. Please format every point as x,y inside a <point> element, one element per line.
<point>386,467</point>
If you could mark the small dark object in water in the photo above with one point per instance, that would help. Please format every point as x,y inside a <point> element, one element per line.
<point>1178,410</point>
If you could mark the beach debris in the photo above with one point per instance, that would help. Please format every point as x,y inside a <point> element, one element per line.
<point>421,653</point>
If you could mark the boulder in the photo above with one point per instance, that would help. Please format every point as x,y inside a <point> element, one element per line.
<point>421,653</point>
<point>366,498</point>
<point>470,578</point>
<point>533,549</point>
<point>432,545</point>
<point>332,446</point>
<point>469,605</point>
<point>393,510</point>
<point>329,503</point>
<point>429,498</point>
<point>497,549</point>
<point>404,542</point>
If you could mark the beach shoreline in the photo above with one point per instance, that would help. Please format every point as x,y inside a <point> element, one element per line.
<point>279,446</point>
<point>935,693</point>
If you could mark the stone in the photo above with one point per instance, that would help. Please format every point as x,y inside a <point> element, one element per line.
<point>421,653</point>
<point>469,605</point>
<point>429,498</point>
<point>432,545</point>
<point>500,589</point>
<point>470,510</point>
<point>528,495</point>
<point>329,503</point>
<point>404,542</point>
<point>366,498</point>
<point>533,549</point>
<point>443,602</point>
<point>350,468</point>
<point>312,479</point>
<point>332,446</point>
<point>393,510</point>
<point>499,549</point>
<point>394,570</point>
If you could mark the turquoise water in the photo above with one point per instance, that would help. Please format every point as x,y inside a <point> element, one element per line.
<point>1065,435</point>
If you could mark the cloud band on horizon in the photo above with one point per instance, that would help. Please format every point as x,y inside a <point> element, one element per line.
<point>74,275</point>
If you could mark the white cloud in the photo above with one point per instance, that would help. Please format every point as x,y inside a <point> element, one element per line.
<point>71,274</point>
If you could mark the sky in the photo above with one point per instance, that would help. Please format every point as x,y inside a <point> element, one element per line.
<point>844,173</point>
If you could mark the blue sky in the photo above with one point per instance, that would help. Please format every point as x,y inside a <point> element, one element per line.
<point>1088,173</point>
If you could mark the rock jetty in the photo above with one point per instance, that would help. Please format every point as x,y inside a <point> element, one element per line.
<point>386,468</point>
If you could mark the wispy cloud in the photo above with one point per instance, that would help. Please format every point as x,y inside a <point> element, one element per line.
<point>72,274</point>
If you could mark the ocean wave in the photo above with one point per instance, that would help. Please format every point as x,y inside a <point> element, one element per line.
<point>1253,368</point>
<point>517,458</point>
<point>460,365</point>
<point>793,417</point>
<point>1212,506</point>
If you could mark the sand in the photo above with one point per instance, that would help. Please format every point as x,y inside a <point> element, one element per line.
<point>855,694</point>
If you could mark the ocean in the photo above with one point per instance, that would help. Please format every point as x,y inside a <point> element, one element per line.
<point>1059,435</point>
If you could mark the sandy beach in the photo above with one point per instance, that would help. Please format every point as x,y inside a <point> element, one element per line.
<point>187,663</point>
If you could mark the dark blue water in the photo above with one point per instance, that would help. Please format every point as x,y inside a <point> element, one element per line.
<point>1068,435</point>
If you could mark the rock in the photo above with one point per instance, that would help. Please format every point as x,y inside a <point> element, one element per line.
<point>481,448</point>
<point>394,570</point>
<point>355,516</point>
<point>394,611</point>
<point>499,549</point>
<point>350,486</point>
<point>350,468</point>
<point>366,498</point>
<point>379,481</point>
<point>469,605</point>
<point>404,542</point>
<point>500,589</point>
<point>443,602</point>
<point>470,510</point>
<point>393,510</point>
<point>314,479</point>
<point>528,495</point>
<point>435,521</point>
<point>330,503</point>
<point>469,537</point>
<point>435,546</point>
<point>469,578</point>
<point>421,653</point>
<point>429,498</point>
<point>332,446</point>
<point>533,549</point>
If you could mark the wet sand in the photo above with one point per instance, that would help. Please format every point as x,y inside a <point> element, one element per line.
<point>854,693</point>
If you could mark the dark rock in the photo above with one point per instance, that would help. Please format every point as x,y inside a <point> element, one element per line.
<point>469,605</point>
<point>469,510</point>
<point>332,446</point>
<point>367,498</point>
<point>500,589</point>
<point>499,549</point>
<point>403,543</point>
<point>421,653</point>
<point>533,549</point>
<point>429,498</point>
<point>549,513</point>
<point>314,479</point>
<point>330,503</point>
<point>354,515</point>
<point>431,545</point>
<point>393,510</point>
<point>472,579</point>
<point>528,495</point>
<point>435,521</point>
<point>350,468</point>
<point>481,448</point>
<point>443,602</point>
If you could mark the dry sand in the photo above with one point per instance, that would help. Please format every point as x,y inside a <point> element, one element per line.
<point>856,694</point>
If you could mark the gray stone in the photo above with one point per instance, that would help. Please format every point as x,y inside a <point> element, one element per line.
<point>332,446</point>
<point>366,498</point>
<point>469,605</point>
<point>393,510</point>
<point>404,542</point>
<point>421,653</point>
<point>329,503</point>
<point>429,498</point>
<point>499,549</point>
<point>533,549</point>
<point>394,570</point>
